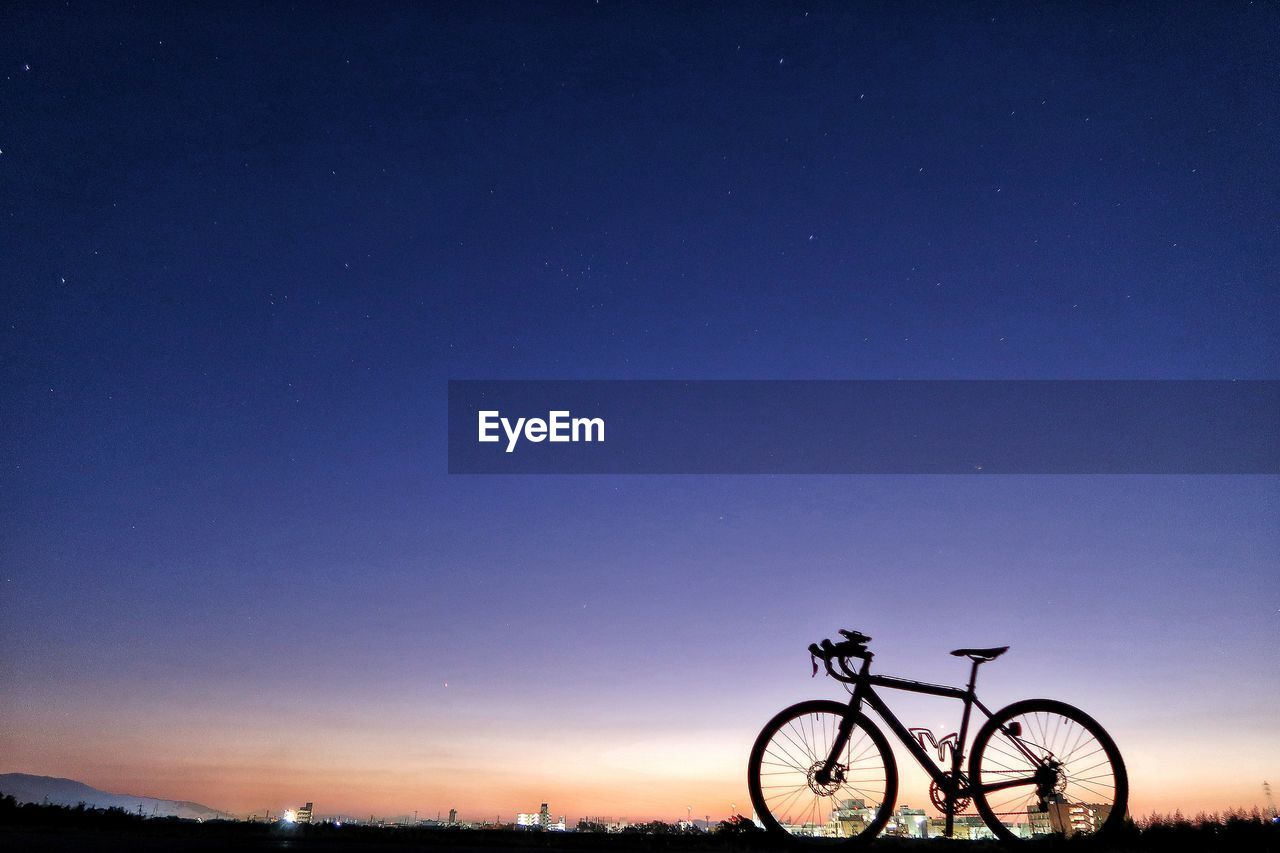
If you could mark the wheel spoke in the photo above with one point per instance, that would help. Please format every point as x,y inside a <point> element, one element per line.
<point>802,761</point>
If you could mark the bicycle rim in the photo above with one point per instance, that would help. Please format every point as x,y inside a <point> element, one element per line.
<point>1082,787</point>
<point>786,787</point>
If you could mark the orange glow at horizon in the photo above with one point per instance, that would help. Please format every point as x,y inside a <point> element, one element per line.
<point>615,774</point>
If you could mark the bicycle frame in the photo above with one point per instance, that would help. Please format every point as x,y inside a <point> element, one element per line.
<point>864,684</point>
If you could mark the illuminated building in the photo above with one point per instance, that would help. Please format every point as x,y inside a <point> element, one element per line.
<point>851,817</point>
<point>1070,818</point>
<point>303,815</point>
<point>541,820</point>
<point>910,823</point>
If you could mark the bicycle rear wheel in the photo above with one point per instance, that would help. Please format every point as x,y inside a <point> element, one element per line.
<point>853,806</point>
<point>1063,773</point>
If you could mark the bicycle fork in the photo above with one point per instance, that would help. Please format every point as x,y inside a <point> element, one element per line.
<point>845,729</point>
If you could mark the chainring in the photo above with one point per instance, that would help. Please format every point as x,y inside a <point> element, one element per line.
<point>939,797</point>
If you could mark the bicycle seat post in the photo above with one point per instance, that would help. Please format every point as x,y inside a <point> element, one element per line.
<point>973,675</point>
<point>956,754</point>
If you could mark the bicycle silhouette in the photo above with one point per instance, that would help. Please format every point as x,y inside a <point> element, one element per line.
<point>823,770</point>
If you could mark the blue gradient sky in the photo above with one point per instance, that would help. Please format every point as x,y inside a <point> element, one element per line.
<point>242,253</point>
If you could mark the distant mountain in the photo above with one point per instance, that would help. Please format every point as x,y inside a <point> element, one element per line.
<point>26,788</point>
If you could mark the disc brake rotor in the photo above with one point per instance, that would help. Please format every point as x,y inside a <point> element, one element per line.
<point>828,788</point>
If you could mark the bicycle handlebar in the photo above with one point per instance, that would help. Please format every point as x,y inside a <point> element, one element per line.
<point>853,646</point>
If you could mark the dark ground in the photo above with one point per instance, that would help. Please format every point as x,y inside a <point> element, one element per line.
<point>34,827</point>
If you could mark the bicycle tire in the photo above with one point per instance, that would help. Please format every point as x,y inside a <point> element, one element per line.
<point>1048,725</point>
<point>791,746</point>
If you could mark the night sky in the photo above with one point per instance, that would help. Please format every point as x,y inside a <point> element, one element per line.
<point>242,251</point>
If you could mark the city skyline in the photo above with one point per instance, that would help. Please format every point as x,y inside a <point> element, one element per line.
<point>244,252</point>
<point>906,818</point>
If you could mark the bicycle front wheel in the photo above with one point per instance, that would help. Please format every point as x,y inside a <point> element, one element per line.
<point>792,796</point>
<point>1041,767</point>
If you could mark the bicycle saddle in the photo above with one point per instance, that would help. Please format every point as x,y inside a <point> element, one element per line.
<point>981,655</point>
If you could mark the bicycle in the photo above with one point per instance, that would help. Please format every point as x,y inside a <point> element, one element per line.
<point>822,769</point>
